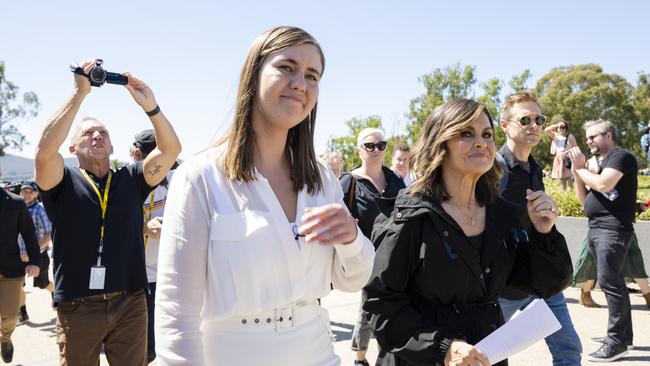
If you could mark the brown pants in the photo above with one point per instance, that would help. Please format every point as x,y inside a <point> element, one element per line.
<point>9,305</point>
<point>120,324</point>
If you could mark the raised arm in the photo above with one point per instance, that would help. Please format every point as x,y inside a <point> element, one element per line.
<point>550,130</point>
<point>49,163</point>
<point>157,164</point>
<point>578,162</point>
<point>603,182</point>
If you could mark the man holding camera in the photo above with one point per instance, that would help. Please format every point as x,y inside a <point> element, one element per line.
<point>97,220</point>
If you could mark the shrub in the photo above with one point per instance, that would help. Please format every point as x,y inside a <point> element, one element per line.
<point>568,204</point>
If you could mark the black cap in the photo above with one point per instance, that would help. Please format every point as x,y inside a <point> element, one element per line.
<point>145,141</point>
<point>30,185</point>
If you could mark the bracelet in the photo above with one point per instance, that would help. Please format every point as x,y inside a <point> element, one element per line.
<point>154,111</point>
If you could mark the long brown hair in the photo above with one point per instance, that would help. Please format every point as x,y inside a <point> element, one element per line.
<point>444,123</point>
<point>240,140</point>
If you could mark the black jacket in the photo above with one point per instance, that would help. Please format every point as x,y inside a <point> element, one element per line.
<point>14,220</point>
<point>429,286</point>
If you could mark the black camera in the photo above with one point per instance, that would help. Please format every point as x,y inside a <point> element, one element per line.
<point>98,76</point>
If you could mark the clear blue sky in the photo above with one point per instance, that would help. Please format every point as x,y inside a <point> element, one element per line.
<point>190,53</point>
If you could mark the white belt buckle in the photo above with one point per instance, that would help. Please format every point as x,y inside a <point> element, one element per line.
<point>283,318</point>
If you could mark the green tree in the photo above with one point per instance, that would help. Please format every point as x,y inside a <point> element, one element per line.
<point>518,82</point>
<point>641,99</point>
<point>11,110</point>
<point>492,100</point>
<point>454,81</point>
<point>584,92</point>
<point>347,145</point>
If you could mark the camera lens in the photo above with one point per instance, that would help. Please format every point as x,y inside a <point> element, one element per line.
<point>97,75</point>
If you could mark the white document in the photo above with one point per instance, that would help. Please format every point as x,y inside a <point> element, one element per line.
<point>533,324</point>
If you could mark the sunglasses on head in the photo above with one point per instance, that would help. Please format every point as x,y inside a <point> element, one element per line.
<point>526,120</point>
<point>371,146</point>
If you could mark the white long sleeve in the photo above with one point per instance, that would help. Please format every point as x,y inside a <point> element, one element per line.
<point>181,281</point>
<point>227,250</point>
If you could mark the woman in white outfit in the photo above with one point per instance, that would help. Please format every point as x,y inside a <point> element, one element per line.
<point>255,229</point>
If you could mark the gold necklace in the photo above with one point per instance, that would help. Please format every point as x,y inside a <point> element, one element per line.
<point>466,207</point>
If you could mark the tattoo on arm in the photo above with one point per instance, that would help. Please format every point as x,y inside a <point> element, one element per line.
<point>155,169</point>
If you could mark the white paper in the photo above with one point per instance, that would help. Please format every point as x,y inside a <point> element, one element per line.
<point>533,324</point>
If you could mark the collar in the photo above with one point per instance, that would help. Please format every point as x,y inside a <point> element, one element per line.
<point>510,159</point>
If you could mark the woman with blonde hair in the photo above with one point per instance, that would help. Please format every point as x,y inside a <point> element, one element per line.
<point>369,190</point>
<point>255,230</point>
<point>452,243</point>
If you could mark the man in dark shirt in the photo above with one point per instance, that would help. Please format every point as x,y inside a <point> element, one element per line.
<point>97,226</point>
<point>15,220</point>
<point>522,121</point>
<point>609,201</point>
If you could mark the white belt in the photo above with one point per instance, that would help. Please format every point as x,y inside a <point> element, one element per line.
<point>281,319</point>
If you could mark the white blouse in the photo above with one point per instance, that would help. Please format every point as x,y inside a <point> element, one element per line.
<point>227,250</point>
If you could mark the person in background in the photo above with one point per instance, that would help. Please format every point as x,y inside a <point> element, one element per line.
<point>29,193</point>
<point>401,164</point>
<point>585,273</point>
<point>335,162</point>
<point>154,208</point>
<point>97,220</point>
<point>562,141</point>
<point>15,220</point>
<point>369,191</point>
<point>609,201</point>
<point>645,147</point>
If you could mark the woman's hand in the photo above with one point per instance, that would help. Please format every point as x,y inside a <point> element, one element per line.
<point>328,224</point>
<point>461,353</point>
<point>542,210</point>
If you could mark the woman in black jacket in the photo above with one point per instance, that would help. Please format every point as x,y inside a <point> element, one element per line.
<point>452,244</point>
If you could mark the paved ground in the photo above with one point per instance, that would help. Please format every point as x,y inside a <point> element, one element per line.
<point>35,342</point>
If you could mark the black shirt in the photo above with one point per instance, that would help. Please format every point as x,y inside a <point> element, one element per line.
<point>74,210</point>
<point>368,203</point>
<point>615,209</point>
<point>521,176</point>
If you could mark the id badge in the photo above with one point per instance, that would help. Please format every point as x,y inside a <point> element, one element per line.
<point>97,277</point>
